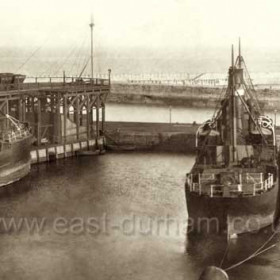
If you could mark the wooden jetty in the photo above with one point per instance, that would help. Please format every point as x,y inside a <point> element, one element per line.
<point>65,114</point>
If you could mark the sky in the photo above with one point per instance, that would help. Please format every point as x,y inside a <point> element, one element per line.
<point>152,25</point>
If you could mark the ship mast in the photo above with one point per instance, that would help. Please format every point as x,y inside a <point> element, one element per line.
<point>239,54</point>
<point>234,136</point>
<point>91,51</point>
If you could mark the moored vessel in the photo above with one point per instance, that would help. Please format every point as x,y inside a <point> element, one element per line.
<point>233,185</point>
<point>15,143</point>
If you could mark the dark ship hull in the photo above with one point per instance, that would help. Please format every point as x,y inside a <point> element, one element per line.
<point>233,185</point>
<point>15,160</point>
<point>15,137</point>
<point>219,215</point>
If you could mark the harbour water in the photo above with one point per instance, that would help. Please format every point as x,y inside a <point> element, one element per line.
<point>163,114</point>
<point>118,216</point>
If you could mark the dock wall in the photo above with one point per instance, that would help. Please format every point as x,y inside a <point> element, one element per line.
<point>156,136</point>
<point>152,136</point>
<point>163,137</point>
<point>167,142</point>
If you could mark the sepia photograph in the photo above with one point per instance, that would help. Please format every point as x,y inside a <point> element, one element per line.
<point>140,139</point>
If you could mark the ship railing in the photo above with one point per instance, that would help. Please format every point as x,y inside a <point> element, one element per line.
<point>192,186</point>
<point>252,177</point>
<point>14,135</point>
<point>221,190</point>
<point>195,187</point>
<point>190,179</point>
<point>249,189</point>
<point>216,190</point>
<point>269,181</point>
<point>205,177</point>
<point>264,185</point>
<point>257,187</point>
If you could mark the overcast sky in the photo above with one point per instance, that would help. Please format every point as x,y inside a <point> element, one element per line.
<point>150,24</point>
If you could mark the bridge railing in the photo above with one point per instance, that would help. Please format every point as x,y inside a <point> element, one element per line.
<point>54,82</point>
<point>70,79</point>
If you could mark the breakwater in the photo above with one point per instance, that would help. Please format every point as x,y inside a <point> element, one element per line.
<point>178,95</point>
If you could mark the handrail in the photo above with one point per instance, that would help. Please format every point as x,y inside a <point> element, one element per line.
<point>50,82</point>
<point>248,188</point>
<point>11,136</point>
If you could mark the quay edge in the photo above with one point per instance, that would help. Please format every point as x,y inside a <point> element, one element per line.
<point>59,151</point>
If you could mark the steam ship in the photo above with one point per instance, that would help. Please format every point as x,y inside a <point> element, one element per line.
<point>15,142</point>
<point>15,139</point>
<point>233,185</point>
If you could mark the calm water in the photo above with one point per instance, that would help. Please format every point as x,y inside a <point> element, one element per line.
<point>162,114</point>
<point>118,216</point>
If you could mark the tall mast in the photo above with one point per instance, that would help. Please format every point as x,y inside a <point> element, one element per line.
<point>91,52</point>
<point>232,57</point>
<point>234,140</point>
<point>239,53</point>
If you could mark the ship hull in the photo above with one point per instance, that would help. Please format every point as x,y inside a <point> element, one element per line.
<point>15,160</point>
<point>231,215</point>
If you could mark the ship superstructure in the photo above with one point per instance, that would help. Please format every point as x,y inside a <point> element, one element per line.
<point>233,185</point>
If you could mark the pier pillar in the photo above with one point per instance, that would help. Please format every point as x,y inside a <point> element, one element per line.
<point>97,118</point>
<point>7,107</point>
<point>103,119</point>
<point>39,120</point>
<point>52,117</point>
<point>33,104</point>
<point>88,117</point>
<point>57,121</point>
<point>52,103</point>
<point>78,118</point>
<point>23,104</point>
<point>91,115</point>
<point>6,111</point>
<point>19,109</point>
<point>81,115</point>
<point>65,110</point>
<point>28,104</point>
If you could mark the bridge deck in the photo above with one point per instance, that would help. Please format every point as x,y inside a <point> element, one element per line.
<point>58,111</point>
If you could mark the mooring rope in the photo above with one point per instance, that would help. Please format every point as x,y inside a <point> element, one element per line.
<point>225,254</point>
<point>250,257</point>
<point>259,251</point>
